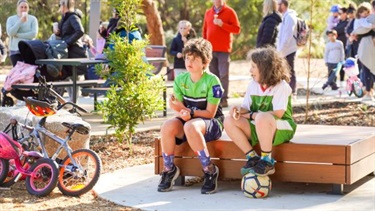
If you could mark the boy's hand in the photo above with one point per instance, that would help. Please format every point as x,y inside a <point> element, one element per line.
<point>185,115</point>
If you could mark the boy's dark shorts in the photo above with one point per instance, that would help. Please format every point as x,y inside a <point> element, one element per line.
<point>214,130</point>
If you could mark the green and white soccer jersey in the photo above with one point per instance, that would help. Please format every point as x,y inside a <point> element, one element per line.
<point>273,98</point>
<point>196,95</point>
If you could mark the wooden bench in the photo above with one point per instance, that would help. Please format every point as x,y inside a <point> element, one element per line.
<point>60,84</point>
<point>337,155</point>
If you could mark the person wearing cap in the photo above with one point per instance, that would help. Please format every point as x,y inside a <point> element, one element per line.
<point>21,26</point>
<point>333,19</point>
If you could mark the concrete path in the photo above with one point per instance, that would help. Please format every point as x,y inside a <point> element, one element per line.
<point>137,187</point>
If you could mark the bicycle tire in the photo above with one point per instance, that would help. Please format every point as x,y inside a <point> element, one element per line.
<point>78,183</point>
<point>42,169</point>
<point>13,173</point>
<point>357,89</point>
<point>4,169</point>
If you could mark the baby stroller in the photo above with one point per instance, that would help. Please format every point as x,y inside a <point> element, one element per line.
<point>30,51</point>
<point>332,77</point>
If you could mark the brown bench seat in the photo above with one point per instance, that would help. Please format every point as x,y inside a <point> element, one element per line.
<point>338,155</point>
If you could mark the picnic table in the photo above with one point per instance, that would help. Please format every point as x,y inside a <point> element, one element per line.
<point>74,62</point>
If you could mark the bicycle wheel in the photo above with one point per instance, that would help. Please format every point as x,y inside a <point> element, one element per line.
<point>10,179</point>
<point>357,89</point>
<point>44,177</point>
<point>78,180</point>
<point>4,169</point>
<point>349,88</point>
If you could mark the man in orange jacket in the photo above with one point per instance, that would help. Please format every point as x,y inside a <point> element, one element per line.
<point>220,22</point>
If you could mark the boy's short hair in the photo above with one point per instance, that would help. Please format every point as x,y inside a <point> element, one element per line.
<point>198,47</point>
<point>334,32</point>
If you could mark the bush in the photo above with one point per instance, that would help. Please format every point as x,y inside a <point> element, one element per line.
<point>136,94</point>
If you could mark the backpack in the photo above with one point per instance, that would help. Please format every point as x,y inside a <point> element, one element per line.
<point>302,32</point>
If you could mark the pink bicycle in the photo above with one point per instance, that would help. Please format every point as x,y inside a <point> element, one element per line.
<point>41,173</point>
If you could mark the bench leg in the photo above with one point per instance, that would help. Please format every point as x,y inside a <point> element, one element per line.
<point>337,189</point>
<point>180,181</point>
<point>165,102</point>
<point>95,101</point>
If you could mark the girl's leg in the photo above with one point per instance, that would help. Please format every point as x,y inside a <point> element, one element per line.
<point>265,127</point>
<point>240,133</point>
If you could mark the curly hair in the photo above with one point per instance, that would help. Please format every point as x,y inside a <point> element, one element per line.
<point>273,68</point>
<point>198,47</point>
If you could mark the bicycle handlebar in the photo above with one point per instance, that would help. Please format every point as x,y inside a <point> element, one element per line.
<point>74,105</point>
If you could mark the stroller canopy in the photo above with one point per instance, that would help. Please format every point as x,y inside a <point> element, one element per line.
<point>32,50</point>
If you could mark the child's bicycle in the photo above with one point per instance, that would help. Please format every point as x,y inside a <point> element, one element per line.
<point>41,173</point>
<point>80,170</point>
<point>353,83</point>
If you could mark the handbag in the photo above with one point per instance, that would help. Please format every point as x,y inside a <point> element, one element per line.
<point>56,49</point>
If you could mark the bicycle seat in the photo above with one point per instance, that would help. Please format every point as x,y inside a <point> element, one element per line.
<point>79,128</point>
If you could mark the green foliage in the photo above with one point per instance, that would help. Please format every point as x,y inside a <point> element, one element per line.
<point>136,94</point>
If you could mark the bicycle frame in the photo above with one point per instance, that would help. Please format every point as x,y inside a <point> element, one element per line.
<point>40,129</point>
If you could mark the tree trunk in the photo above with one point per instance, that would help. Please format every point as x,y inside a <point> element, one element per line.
<point>154,24</point>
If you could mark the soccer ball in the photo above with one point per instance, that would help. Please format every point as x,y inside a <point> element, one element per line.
<point>254,186</point>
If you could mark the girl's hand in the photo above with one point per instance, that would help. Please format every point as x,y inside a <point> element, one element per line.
<point>235,112</point>
<point>179,55</point>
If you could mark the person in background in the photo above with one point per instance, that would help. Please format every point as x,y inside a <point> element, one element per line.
<point>266,114</point>
<point>287,44</point>
<point>351,45</point>
<point>334,53</point>
<point>21,26</point>
<point>2,48</point>
<point>341,35</point>
<point>219,24</point>
<point>113,22</point>
<point>70,30</point>
<point>178,42</point>
<point>268,29</point>
<point>334,18</point>
<point>365,34</point>
<point>199,118</point>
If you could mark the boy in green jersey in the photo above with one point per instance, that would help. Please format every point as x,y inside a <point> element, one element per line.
<point>198,119</point>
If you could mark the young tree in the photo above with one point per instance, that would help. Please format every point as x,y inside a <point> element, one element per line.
<point>136,93</point>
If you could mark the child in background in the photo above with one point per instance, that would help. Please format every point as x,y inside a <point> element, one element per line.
<point>334,18</point>
<point>199,118</point>
<point>266,115</point>
<point>178,42</point>
<point>334,53</point>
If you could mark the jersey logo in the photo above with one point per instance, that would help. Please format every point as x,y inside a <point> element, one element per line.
<point>218,93</point>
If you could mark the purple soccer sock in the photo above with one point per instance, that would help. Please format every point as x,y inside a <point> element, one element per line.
<point>204,158</point>
<point>168,161</point>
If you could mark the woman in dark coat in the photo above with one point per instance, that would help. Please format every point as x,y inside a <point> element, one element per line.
<point>268,31</point>
<point>71,30</point>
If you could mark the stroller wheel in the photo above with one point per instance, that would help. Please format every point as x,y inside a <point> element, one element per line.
<point>7,101</point>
